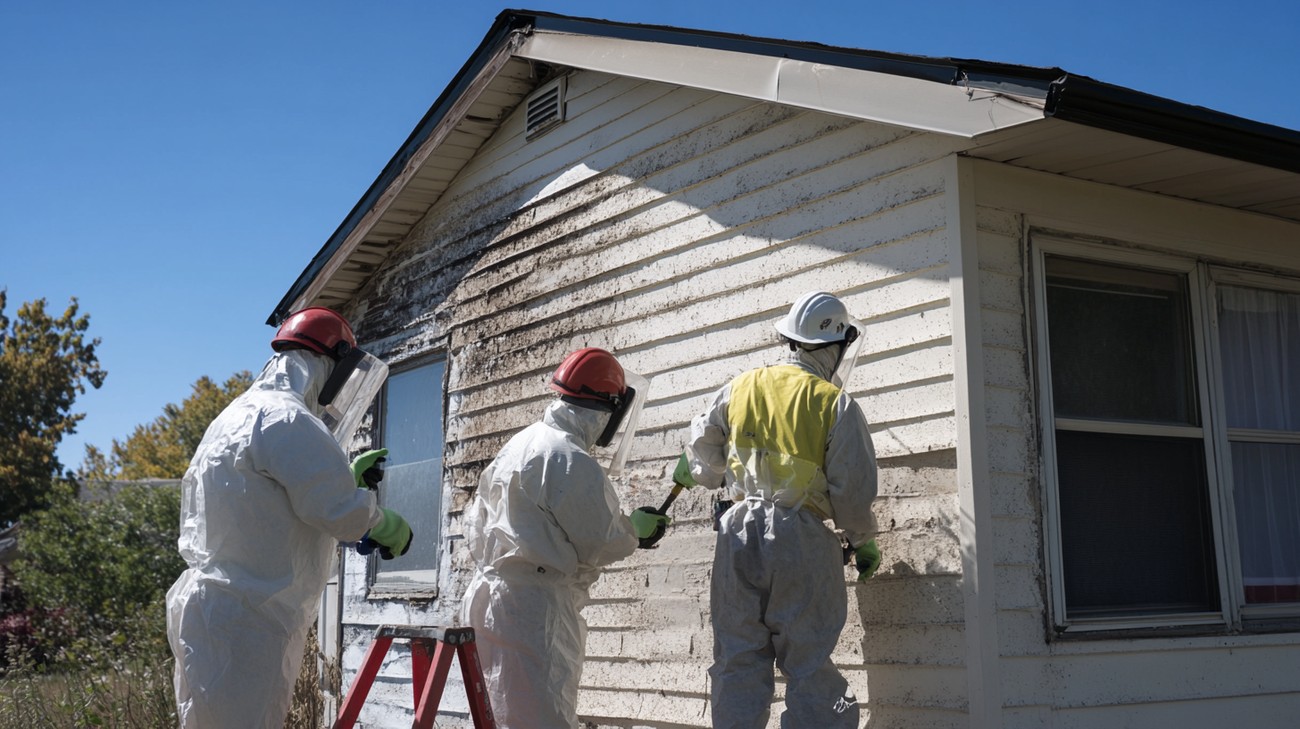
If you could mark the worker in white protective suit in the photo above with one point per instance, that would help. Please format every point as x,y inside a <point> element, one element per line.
<point>793,451</point>
<point>544,521</point>
<point>266,500</point>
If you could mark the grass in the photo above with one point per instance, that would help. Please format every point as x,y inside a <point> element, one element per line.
<point>133,694</point>
<point>136,694</point>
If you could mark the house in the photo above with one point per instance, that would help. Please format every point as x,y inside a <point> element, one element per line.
<point>1081,307</point>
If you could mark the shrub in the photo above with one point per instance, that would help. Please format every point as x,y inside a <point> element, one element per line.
<point>101,569</point>
<point>33,635</point>
<point>90,649</point>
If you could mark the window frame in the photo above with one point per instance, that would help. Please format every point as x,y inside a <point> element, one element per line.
<point>376,587</point>
<point>1209,402</point>
<point>1219,275</point>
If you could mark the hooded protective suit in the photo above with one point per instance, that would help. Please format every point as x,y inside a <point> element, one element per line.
<point>265,502</point>
<point>793,450</point>
<point>544,522</point>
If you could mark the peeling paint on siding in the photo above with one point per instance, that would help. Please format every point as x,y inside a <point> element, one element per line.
<point>673,226</point>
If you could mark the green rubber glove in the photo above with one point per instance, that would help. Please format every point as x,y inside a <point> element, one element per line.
<point>392,533</point>
<point>366,470</point>
<point>682,474</point>
<point>867,558</point>
<point>649,526</point>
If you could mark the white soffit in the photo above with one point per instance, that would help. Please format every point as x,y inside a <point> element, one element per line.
<point>879,97</point>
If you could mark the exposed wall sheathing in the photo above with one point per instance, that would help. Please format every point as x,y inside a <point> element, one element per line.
<point>673,226</point>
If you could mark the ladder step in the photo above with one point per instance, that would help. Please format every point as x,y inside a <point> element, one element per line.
<point>453,636</point>
<point>431,652</point>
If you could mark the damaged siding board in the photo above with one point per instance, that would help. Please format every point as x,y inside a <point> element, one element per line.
<point>673,226</point>
<point>759,256</point>
<point>692,194</point>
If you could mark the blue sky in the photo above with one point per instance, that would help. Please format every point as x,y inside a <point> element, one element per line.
<point>175,165</point>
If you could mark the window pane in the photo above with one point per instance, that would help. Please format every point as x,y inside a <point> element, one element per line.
<point>412,485</point>
<point>1120,343</point>
<point>1136,534</point>
<point>1259,343</point>
<point>1266,492</point>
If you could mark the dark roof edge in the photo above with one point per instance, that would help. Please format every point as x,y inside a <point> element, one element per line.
<point>1092,103</point>
<point>1068,97</point>
<point>1015,79</point>
<point>1033,80</point>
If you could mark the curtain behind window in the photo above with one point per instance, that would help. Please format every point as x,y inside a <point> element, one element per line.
<point>1259,340</point>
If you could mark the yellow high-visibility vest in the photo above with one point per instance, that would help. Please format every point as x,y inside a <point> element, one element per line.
<point>780,418</point>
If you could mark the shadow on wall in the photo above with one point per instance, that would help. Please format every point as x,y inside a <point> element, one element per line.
<point>676,243</point>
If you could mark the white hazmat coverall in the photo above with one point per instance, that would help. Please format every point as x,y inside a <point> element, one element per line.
<point>778,587</point>
<point>265,502</point>
<point>544,521</point>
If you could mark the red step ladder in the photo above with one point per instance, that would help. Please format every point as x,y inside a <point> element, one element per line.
<point>430,647</point>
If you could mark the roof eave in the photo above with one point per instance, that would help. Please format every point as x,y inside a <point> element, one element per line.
<point>857,91</point>
<point>797,73</point>
<point>506,24</point>
<point>1091,103</point>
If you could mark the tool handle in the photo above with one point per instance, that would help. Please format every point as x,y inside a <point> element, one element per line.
<point>672,496</point>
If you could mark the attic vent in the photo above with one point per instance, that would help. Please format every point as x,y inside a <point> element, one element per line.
<point>545,108</point>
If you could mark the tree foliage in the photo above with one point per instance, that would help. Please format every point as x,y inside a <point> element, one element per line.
<point>45,362</point>
<point>163,448</point>
<point>103,566</point>
<point>97,561</point>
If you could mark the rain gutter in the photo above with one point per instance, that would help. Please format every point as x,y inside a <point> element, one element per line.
<point>1092,103</point>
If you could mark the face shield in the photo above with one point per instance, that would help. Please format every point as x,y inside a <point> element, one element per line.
<point>618,434</point>
<point>347,394</point>
<point>853,340</point>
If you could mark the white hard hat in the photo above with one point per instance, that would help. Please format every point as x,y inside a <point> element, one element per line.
<point>816,318</point>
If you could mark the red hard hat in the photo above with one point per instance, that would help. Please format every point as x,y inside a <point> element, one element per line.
<point>590,374</point>
<point>316,328</point>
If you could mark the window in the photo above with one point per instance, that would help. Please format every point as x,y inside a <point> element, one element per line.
<point>1159,420</point>
<point>1259,347</point>
<point>411,429</point>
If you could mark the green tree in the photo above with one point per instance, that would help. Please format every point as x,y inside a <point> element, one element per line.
<point>163,448</point>
<point>102,566</point>
<point>96,564</point>
<point>45,362</point>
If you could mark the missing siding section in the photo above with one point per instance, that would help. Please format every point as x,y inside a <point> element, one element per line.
<point>545,108</point>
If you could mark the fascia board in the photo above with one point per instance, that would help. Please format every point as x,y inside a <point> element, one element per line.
<point>366,217</point>
<point>868,95</point>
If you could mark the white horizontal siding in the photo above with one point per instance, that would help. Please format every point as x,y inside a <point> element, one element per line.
<point>1016,538</point>
<point>1161,683</point>
<point>1265,712</point>
<point>1207,681</point>
<point>673,227</point>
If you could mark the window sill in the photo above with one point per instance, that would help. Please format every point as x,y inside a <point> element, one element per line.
<point>384,591</point>
<point>1177,636</point>
<point>399,585</point>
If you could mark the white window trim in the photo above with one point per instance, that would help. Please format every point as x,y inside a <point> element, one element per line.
<point>1208,399</point>
<point>1218,275</point>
